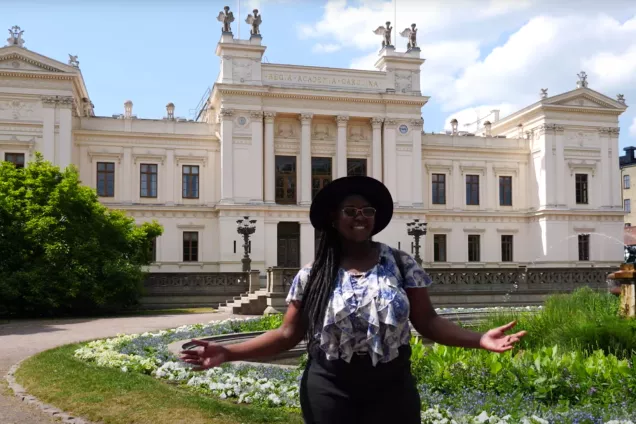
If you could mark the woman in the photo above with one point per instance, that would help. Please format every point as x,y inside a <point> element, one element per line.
<point>353,305</point>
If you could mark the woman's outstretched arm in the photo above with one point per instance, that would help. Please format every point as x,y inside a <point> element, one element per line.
<point>285,337</point>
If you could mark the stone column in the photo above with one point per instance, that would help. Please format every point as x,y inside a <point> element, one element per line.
<point>416,128</point>
<point>605,173</point>
<point>227,157</point>
<point>48,128</point>
<point>307,245</point>
<point>492,202</point>
<point>209,184</point>
<point>65,133</point>
<point>459,187</point>
<point>615,181</point>
<point>376,148</point>
<point>127,177</point>
<point>550,174</point>
<point>270,158</point>
<point>523,199</point>
<point>258,149</point>
<point>559,168</point>
<point>305,158</point>
<point>390,171</point>
<point>170,177</point>
<point>341,146</point>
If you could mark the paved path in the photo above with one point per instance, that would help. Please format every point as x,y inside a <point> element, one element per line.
<point>20,339</point>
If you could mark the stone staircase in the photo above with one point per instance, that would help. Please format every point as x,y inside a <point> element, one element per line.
<point>247,304</point>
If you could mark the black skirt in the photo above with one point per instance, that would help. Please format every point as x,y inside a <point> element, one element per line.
<point>336,392</point>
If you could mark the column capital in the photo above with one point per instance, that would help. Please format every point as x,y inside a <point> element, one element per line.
<point>269,117</point>
<point>256,114</point>
<point>226,114</point>
<point>417,122</point>
<point>305,118</point>
<point>342,120</point>
<point>53,101</point>
<point>390,123</point>
<point>376,122</point>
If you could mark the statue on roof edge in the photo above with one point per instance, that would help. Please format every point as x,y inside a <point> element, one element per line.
<point>227,18</point>
<point>15,39</point>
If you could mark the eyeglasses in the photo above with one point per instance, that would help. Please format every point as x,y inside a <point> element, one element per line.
<point>351,212</point>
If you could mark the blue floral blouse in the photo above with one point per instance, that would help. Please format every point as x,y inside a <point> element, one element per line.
<point>369,313</point>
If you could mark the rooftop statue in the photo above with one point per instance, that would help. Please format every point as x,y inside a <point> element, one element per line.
<point>227,18</point>
<point>386,33</point>
<point>15,39</point>
<point>72,60</point>
<point>411,34</point>
<point>254,20</point>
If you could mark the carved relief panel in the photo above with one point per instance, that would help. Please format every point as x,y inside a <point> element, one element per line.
<point>580,138</point>
<point>287,128</point>
<point>241,70</point>
<point>18,110</point>
<point>403,81</point>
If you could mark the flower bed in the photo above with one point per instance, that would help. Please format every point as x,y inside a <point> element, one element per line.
<point>466,386</point>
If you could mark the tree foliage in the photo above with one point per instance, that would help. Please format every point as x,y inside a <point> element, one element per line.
<point>61,250</point>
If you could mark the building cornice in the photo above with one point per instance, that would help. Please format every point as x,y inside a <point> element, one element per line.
<point>341,96</point>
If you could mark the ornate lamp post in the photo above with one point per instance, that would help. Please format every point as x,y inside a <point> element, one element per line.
<point>246,228</point>
<point>416,229</point>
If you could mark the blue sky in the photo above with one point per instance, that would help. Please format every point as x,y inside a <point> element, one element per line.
<point>481,54</point>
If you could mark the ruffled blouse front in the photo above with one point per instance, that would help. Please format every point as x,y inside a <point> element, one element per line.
<point>367,314</point>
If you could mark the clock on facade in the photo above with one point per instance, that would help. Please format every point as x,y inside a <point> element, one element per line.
<point>403,129</point>
<point>242,121</point>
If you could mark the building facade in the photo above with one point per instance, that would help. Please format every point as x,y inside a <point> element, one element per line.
<point>537,188</point>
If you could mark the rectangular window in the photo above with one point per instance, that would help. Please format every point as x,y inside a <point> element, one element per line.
<point>106,179</point>
<point>190,181</point>
<point>148,182</point>
<point>16,159</point>
<point>505,191</point>
<point>286,180</point>
<point>506,248</point>
<point>472,190</point>
<point>190,246</point>
<point>627,205</point>
<point>473,248</point>
<point>320,174</point>
<point>626,183</point>
<point>584,247</point>
<point>356,167</point>
<point>439,247</point>
<point>581,189</point>
<point>439,189</point>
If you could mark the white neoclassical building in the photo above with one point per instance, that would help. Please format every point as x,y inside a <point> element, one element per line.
<point>540,187</point>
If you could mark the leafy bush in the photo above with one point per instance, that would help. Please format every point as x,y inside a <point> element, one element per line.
<point>61,251</point>
<point>585,320</point>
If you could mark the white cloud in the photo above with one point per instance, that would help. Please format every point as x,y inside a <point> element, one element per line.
<point>473,118</point>
<point>496,52</point>
<point>632,128</point>
<point>326,48</point>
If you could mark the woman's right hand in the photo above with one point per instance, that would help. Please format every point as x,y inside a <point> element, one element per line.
<point>207,355</point>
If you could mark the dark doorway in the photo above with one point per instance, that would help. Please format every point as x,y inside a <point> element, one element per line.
<point>289,244</point>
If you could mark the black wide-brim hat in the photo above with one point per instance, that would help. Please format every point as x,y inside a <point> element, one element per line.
<point>331,196</point>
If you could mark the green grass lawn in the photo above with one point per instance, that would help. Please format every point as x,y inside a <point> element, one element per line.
<point>112,397</point>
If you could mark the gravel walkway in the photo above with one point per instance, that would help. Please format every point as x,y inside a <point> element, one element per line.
<point>20,339</point>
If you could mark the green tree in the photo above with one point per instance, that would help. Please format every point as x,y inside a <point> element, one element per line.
<point>63,252</point>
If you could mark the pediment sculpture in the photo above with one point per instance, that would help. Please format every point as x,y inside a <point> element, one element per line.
<point>226,17</point>
<point>15,38</point>
<point>256,21</point>
<point>385,32</point>
<point>411,34</point>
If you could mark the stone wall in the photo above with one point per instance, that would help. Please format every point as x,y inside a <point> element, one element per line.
<point>187,289</point>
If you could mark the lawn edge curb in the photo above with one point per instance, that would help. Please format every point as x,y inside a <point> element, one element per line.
<point>21,393</point>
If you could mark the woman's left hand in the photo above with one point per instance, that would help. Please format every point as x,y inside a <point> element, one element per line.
<point>496,340</point>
